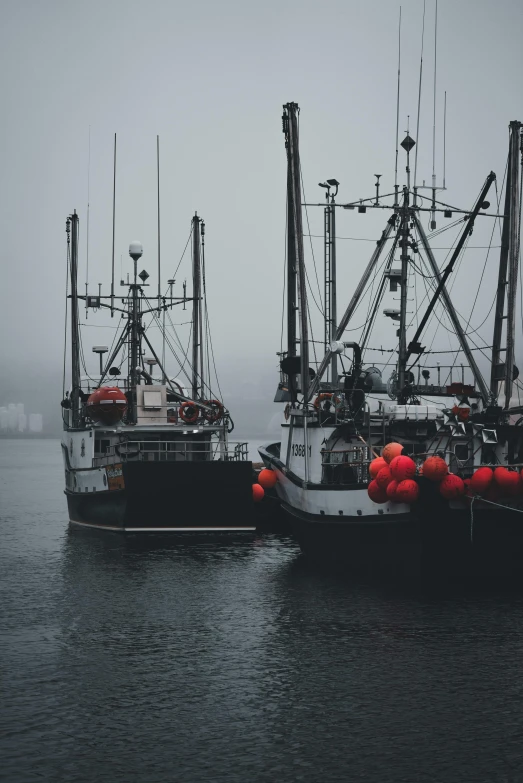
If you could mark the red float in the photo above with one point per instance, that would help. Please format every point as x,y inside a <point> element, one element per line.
<point>481,480</point>
<point>507,481</point>
<point>407,491</point>
<point>390,451</point>
<point>107,405</point>
<point>384,477</point>
<point>452,487</point>
<point>376,493</point>
<point>258,493</point>
<point>267,478</point>
<point>391,491</point>
<point>375,466</point>
<point>402,468</point>
<point>435,468</point>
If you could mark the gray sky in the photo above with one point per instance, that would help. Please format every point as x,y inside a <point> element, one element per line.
<point>211,79</point>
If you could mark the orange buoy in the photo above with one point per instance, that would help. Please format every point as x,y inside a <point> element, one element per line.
<point>376,465</point>
<point>402,468</point>
<point>435,468</point>
<point>481,480</point>
<point>507,481</point>
<point>106,405</point>
<point>391,491</point>
<point>390,451</point>
<point>452,487</point>
<point>376,493</point>
<point>267,478</point>
<point>407,491</point>
<point>258,492</point>
<point>384,477</point>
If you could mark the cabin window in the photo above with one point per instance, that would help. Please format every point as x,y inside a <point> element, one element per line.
<point>462,452</point>
<point>103,446</point>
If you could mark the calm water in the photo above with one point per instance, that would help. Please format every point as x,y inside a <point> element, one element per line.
<point>129,659</point>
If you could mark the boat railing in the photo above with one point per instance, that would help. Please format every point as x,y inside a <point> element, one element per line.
<point>345,466</point>
<point>172,451</point>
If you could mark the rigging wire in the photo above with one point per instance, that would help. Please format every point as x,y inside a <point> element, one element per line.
<point>286,261</point>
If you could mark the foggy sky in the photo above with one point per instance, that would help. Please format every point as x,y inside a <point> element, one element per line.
<point>210,78</point>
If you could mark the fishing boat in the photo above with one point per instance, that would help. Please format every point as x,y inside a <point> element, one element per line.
<point>146,446</point>
<point>341,412</point>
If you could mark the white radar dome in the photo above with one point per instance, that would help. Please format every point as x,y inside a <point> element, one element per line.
<point>136,250</point>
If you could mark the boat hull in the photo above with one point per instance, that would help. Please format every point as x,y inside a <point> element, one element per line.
<point>170,497</point>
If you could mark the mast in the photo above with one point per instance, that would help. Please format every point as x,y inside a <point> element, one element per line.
<point>135,251</point>
<point>508,272</point>
<point>73,224</point>
<point>402,331</point>
<point>330,305</point>
<point>196,307</point>
<point>291,273</point>
<point>290,129</point>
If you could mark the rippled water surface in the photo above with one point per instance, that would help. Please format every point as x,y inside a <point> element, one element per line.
<point>149,659</point>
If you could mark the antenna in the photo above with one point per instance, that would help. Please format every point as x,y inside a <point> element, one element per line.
<point>444,135</point>
<point>87,232</point>
<point>114,208</point>
<point>433,217</point>
<point>158,181</point>
<point>397,114</point>
<point>419,96</point>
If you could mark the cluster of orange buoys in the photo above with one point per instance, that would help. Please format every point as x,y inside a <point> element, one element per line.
<point>393,479</point>
<point>266,480</point>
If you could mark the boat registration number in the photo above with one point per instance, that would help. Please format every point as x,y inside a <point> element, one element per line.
<point>298,450</point>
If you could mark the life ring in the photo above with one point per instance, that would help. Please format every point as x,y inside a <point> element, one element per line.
<point>189,412</point>
<point>216,413</point>
<point>326,396</point>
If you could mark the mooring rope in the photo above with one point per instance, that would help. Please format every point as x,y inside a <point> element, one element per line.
<point>500,505</point>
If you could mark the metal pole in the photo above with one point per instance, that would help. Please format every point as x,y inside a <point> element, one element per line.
<point>75,327</point>
<point>196,303</point>
<point>513,258</point>
<point>293,155</point>
<point>333,303</point>
<point>327,275</point>
<point>114,212</point>
<point>402,331</point>
<point>158,182</point>
<point>497,368</point>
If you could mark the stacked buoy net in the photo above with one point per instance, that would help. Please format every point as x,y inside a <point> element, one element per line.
<point>394,479</point>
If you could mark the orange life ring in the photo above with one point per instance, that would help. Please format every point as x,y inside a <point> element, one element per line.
<point>216,413</point>
<point>326,396</point>
<point>189,412</point>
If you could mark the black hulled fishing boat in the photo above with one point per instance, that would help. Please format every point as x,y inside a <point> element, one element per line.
<point>447,422</point>
<point>147,450</point>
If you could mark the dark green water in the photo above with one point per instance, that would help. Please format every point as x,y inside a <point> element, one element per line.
<point>146,659</point>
